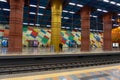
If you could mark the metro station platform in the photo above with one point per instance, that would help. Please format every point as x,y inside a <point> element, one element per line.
<point>57,24</point>
<point>38,62</point>
<point>47,51</point>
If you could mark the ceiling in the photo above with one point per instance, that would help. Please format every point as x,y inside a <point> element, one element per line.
<point>38,13</point>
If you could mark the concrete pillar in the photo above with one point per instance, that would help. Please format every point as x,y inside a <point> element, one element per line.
<point>56,9</point>
<point>107,28</point>
<point>16,23</point>
<point>85,28</point>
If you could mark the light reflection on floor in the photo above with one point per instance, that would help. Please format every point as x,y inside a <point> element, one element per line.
<point>101,73</point>
<point>47,51</point>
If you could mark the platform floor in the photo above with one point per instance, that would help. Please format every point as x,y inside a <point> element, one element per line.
<point>47,51</point>
<point>109,72</point>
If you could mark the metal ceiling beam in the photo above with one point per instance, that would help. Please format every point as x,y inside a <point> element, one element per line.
<point>37,11</point>
<point>28,13</point>
<point>7,18</point>
<point>45,13</point>
<point>65,2</point>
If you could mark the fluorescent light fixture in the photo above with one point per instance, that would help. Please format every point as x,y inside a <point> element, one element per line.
<point>25,23</point>
<point>119,14</point>
<point>94,16</point>
<point>118,4</point>
<point>113,19</point>
<point>63,26</point>
<point>115,25</point>
<point>3,0</point>
<point>66,17</point>
<point>90,15</point>
<point>96,30</point>
<point>72,12</point>
<point>99,9</point>
<point>6,9</point>
<point>32,5</point>
<point>65,11</point>
<point>91,30</point>
<point>36,6</point>
<point>42,7</point>
<point>79,5</point>
<point>31,24</point>
<point>105,11</point>
<point>48,25</point>
<point>75,28</point>
<point>40,14</point>
<point>112,2</point>
<point>37,24</point>
<point>67,27</point>
<point>73,4</point>
<point>106,1</point>
<point>102,10</point>
<point>32,13</point>
<point>79,28</point>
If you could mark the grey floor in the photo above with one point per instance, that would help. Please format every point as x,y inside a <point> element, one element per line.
<point>48,51</point>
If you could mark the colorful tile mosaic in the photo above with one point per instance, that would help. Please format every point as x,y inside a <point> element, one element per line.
<point>113,74</point>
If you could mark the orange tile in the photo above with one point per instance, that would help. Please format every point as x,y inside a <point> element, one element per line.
<point>55,78</point>
<point>68,77</point>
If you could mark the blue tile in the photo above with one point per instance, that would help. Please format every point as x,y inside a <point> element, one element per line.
<point>108,78</point>
<point>83,74</point>
<point>74,77</point>
<point>93,73</point>
<point>62,78</point>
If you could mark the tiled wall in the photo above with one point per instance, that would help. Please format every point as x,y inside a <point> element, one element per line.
<point>44,35</point>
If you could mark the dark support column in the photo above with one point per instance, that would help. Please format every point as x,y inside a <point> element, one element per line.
<point>85,26</point>
<point>107,28</point>
<point>16,23</point>
<point>37,11</point>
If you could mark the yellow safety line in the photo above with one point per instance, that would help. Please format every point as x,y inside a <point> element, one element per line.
<point>62,73</point>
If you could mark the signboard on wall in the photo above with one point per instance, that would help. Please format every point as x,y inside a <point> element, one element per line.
<point>115,45</point>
